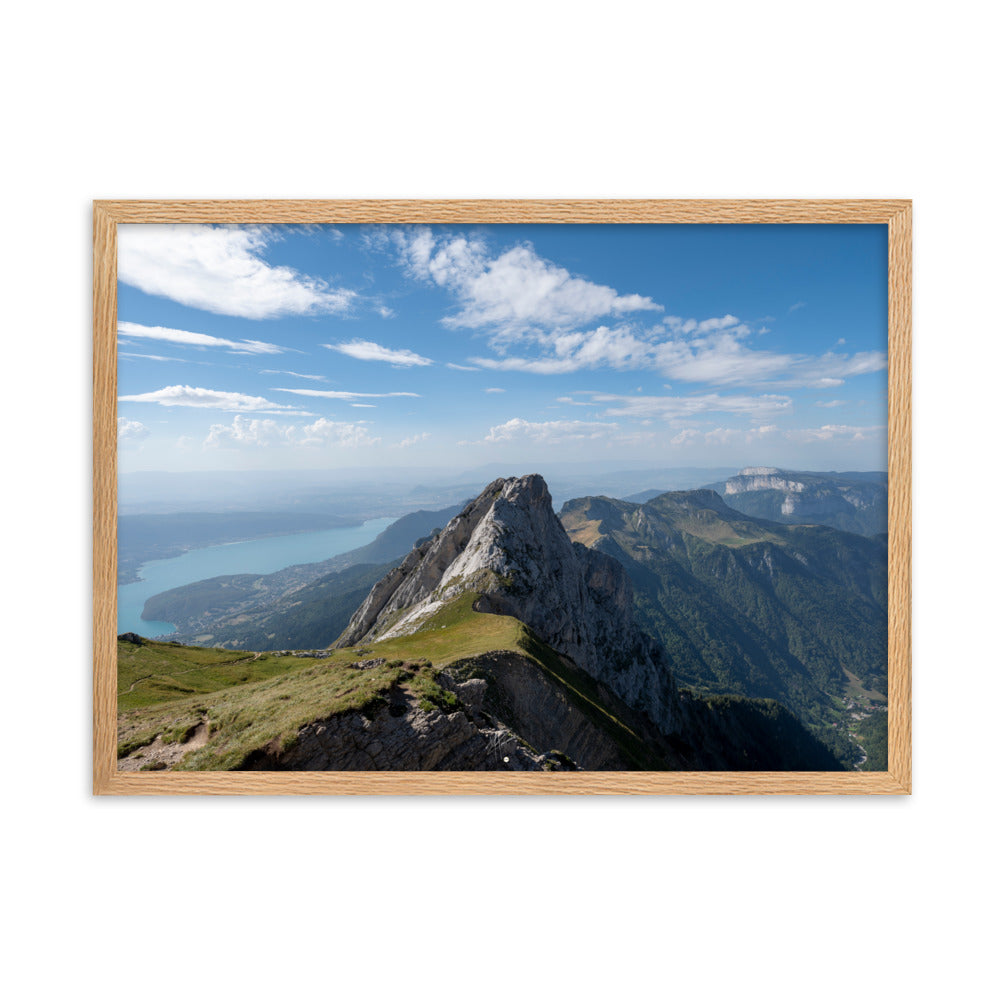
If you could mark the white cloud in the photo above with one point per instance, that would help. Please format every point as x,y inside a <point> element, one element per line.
<point>213,399</point>
<point>151,357</point>
<point>190,339</point>
<point>686,436</point>
<point>723,435</point>
<point>364,406</point>
<point>410,441</point>
<point>366,350</point>
<point>674,408</point>
<point>721,359</point>
<point>711,351</point>
<point>461,368</point>
<point>336,434</point>
<point>831,403</point>
<point>753,435</point>
<point>830,432</point>
<point>494,389</point>
<point>604,347</point>
<point>514,292</point>
<point>340,394</point>
<point>272,371</point>
<point>244,431</point>
<point>221,269</point>
<point>550,431</point>
<point>257,433</point>
<point>131,430</point>
<point>686,327</point>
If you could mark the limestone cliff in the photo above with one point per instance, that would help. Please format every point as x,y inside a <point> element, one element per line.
<point>855,502</point>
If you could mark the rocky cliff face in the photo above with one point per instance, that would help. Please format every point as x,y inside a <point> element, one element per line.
<point>402,736</point>
<point>511,716</point>
<point>509,547</point>
<point>753,479</point>
<point>837,500</point>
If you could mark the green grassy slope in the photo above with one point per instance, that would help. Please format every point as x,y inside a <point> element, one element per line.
<point>252,700</point>
<point>156,672</point>
<point>256,701</point>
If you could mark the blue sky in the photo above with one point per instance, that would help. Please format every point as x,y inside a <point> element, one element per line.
<point>318,347</point>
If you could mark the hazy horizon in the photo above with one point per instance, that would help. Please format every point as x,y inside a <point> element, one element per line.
<point>397,491</point>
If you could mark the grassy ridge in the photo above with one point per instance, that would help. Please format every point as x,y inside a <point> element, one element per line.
<point>282,694</point>
<point>246,717</point>
<point>250,701</point>
<point>261,701</point>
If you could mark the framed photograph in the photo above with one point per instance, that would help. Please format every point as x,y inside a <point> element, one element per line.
<point>502,497</point>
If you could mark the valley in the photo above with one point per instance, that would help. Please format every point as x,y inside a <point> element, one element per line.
<point>751,607</point>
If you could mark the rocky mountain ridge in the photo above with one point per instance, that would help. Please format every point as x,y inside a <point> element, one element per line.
<point>509,547</point>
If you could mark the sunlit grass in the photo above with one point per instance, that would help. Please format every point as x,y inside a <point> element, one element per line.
<point>252,703</point>
<point>159,671</point>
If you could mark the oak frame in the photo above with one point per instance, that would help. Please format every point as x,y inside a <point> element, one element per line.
<point>107,780</point>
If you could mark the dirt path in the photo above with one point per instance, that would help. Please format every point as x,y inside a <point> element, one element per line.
<point>165,755</point>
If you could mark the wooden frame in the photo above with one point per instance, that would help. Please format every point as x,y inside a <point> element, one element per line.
<point>896,215</point>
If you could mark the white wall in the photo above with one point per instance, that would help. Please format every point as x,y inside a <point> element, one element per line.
<point>706,897</point>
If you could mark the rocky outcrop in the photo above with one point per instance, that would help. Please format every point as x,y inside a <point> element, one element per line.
<point>542,711</point>
<point>509,547</point>
<point>751,480</point>
<point>402,736</point>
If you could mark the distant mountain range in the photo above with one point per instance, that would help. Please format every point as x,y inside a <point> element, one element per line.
<point>678,633</point>
<point>850,501</point>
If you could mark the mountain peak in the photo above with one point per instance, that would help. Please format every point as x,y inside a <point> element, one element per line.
<point>508,547</point>
<point>472,552</point>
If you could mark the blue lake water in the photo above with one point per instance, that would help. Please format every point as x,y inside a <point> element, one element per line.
<point>260,555</point>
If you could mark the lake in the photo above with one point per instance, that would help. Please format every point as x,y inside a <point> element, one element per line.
<point>259,555</point>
